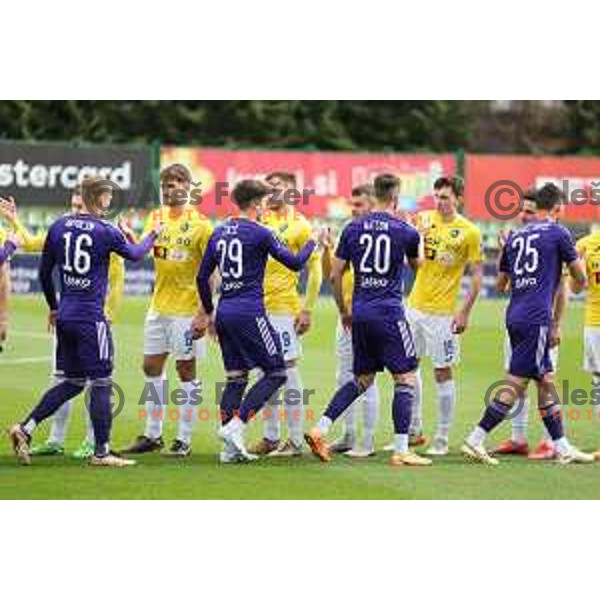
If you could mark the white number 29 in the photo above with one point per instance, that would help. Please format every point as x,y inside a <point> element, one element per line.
<point>231,251</point>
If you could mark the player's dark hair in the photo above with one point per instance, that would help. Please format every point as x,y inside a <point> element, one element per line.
<point>456,184</point>
<point>282,176</point>
<point>548,196</point>
<point>386,186</point>
<point>176,171</point>
<point>529,194</point>
<point>248,193</point>
<point>363,190</point>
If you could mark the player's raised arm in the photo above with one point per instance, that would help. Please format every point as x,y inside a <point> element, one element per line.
<point>130,251</point>
<point>475,267</point>
<point>28,241</point>
<point>204,279</point>
<point>47,263</point>
<point>561,299</point>
<point>288,259</point>
<point>578,276</point>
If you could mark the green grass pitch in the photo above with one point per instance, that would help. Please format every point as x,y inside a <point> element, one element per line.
<point>24,373</point>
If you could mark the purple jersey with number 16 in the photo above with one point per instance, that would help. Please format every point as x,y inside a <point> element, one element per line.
<point>79,248</point>
<point>377,245</point>
<point>533,258</point>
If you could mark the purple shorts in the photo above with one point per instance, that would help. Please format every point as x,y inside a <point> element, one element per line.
<point>383,343</point>
<point>84,349</point>
<point>249,341</point>
<point>530,350</point>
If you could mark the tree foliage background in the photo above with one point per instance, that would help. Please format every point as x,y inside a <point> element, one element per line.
<point>401,126</point>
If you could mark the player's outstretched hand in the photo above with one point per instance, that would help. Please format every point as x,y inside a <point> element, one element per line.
<point>200,325</point>
<point>459,323</point>
<point>325,237</point>
<point>15,239</point>
<point>158,227</point>
<point>51,321</point>
<point>502,237</point>
<point>555,336</point>
<point>347,321</point>
<point>303,322</point>
<point>8,208</point>
<point>126,225</point>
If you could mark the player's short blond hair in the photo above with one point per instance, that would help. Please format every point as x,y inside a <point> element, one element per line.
<point>176,171</point>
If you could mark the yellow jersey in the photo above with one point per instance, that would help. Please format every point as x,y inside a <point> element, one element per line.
<point>2,235</point>
<point>447,249</point>
<point>116,269</point>
<point>348,287</point>
<point>177,253</point>
<point>588,248</point>
<point>281,284</point>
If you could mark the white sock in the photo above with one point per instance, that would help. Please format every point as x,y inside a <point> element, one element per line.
<point>155,408</point>
<point>294,412</point>
<point>520,422</point>
<point>29,427</point>
<point>477,436</point>
<point>371,408</point>
<point>60,420</point>
<point>416,419</point>
<point>563,446</point>
<point>446,394</point>
<point>188,411</point>
<point>349,422</point>
<point>401,442</point>
<point>89,428</point>
<point>271,417</point>
<point>324,425</point>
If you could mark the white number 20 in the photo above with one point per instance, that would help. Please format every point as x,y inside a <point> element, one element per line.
<point>380,249</point>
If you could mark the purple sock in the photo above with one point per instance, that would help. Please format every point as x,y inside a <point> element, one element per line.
<point>53,399</point>
<point>101,416</point>
<point>232,398</point>
<point>342,399</point>
<point>552,417</point>
<point>494,414</point>
<point>402,407</point>
<point>260,393</point>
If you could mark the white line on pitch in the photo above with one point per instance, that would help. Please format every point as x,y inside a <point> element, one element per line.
<point>24,361</point>
<point>31,334</point>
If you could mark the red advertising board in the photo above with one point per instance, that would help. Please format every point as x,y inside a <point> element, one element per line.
<point>489,182</point>
<point>331,175</point>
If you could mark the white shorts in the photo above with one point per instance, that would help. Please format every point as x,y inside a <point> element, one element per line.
<point>290,343</point>
<point>508,354</point>
<point>344,355</point>
<point>433,337</point>
<point>591,349</point>
<point>172,335</point>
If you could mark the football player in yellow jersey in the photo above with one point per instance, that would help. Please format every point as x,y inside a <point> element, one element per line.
<point>361,202</point>
<point>451,245</point>
<point>178,252</point>
<point>55,443</point>
<point>290,316</point>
